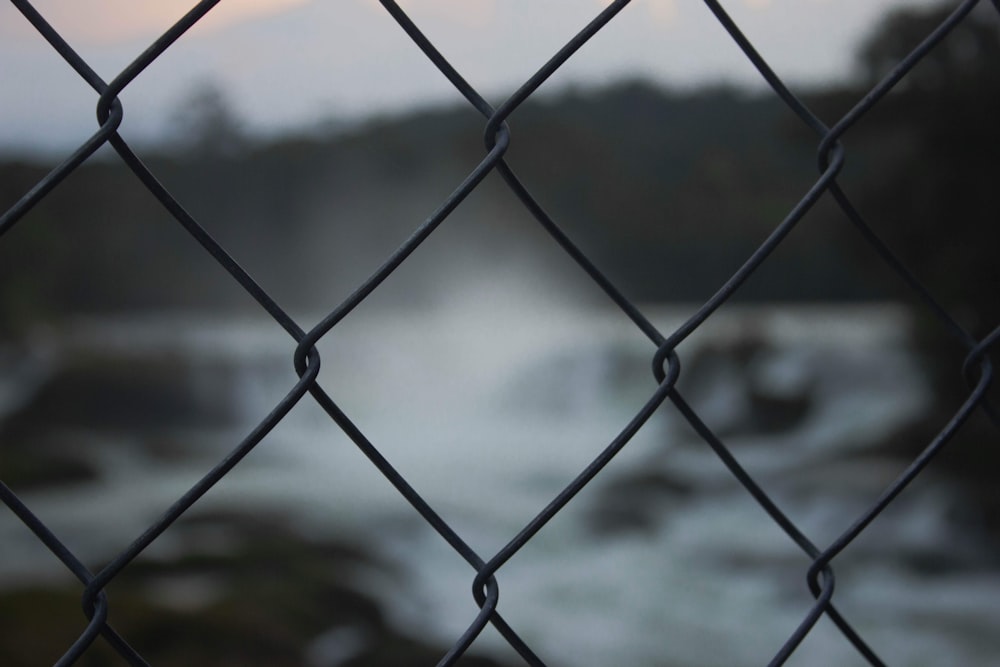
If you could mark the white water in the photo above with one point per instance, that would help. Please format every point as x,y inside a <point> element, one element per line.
<point>489,418</point>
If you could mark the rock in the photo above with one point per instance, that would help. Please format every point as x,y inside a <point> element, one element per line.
<point>107,393</point>
<point>634,501</point>
<point>270,597</point>
<point>733,387</point>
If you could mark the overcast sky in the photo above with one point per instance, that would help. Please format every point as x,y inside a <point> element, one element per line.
<point>287,63</point>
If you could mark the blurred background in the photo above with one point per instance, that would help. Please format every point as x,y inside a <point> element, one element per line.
<point>311,139</point>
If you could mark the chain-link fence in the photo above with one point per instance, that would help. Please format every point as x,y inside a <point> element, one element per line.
<point>487,568</point>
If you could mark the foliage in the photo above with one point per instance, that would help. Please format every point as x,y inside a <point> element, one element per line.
<point>636,174</point>
<point>669,193</point>
<point>926,159</point>
<point>925,180</point>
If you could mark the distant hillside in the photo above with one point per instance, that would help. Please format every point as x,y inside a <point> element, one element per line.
<point>668,193</point>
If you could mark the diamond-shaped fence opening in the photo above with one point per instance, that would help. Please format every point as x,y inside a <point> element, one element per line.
<point>613,487</point>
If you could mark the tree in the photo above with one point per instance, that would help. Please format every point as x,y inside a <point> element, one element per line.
<point>207,124</point>
<point>929,154</point>
<point>965,59</point>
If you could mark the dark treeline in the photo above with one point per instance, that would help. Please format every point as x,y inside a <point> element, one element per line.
<point>927,187</point>
<point>669,193</point>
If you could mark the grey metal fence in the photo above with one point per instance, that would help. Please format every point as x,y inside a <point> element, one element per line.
<point>487,568</point>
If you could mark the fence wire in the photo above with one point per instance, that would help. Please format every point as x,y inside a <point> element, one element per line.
<point>665,362</point>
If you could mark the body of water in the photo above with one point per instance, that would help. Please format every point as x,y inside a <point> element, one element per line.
<point>663,560</point>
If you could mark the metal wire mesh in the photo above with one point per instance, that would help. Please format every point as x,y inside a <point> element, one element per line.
<point>666,364</point>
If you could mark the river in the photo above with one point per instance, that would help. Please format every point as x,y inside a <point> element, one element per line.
<point>663,560</point>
